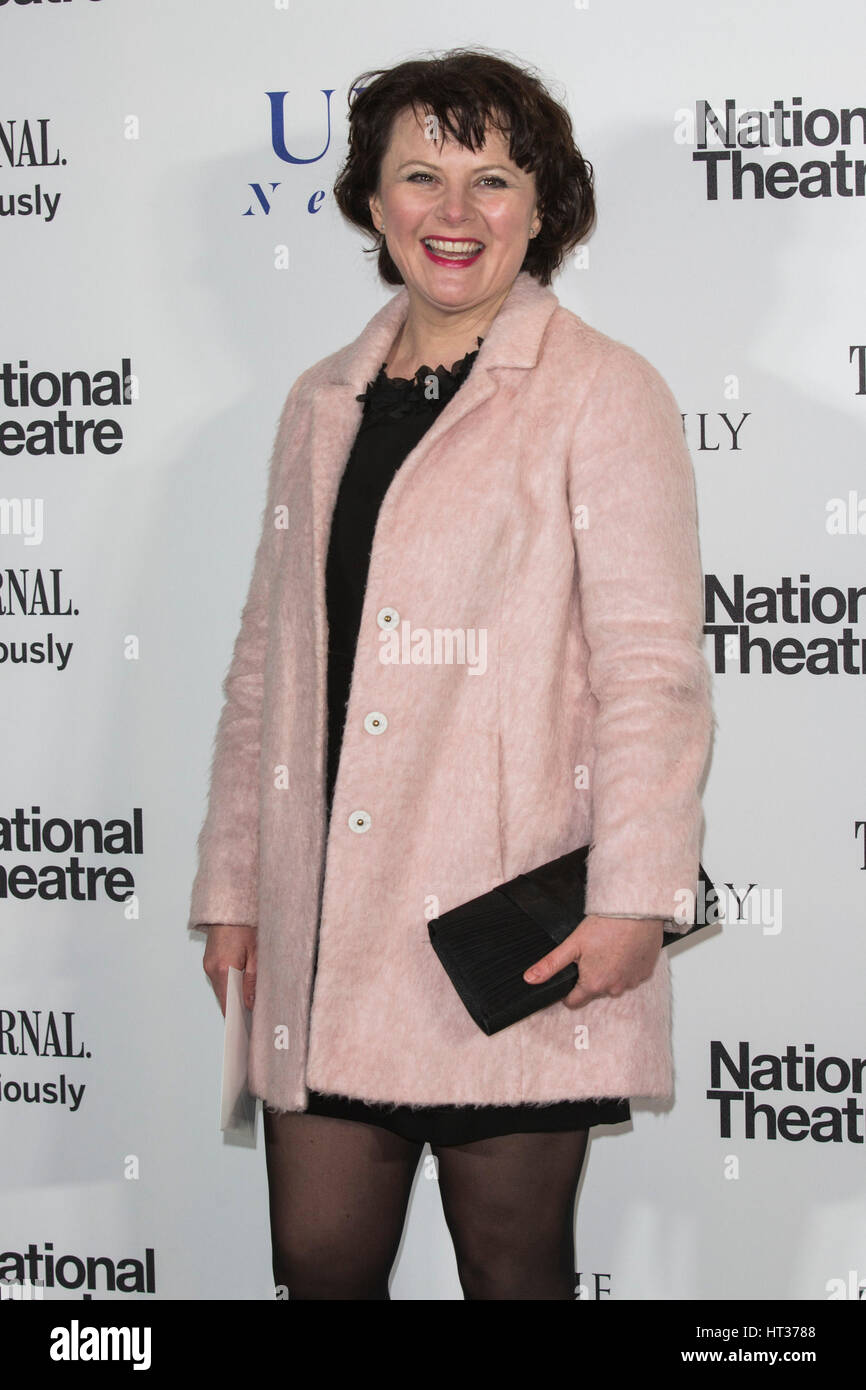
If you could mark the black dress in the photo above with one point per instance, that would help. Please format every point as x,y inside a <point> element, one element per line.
<point>397,412</point>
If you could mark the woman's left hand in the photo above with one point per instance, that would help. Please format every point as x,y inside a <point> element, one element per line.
<point>613,954</point>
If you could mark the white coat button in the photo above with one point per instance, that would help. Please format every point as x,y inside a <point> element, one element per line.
<point>387,618</point>
<point>375,722</point>
<point>359,821</point>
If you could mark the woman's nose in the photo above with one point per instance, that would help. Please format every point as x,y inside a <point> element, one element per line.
<point>455,207</point>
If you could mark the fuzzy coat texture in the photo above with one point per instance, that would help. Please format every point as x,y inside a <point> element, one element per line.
<point>549,512</point>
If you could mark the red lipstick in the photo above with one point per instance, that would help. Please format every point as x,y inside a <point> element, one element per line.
<point>457,261</point>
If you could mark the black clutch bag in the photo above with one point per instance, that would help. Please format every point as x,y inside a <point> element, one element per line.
<point>486,944</point>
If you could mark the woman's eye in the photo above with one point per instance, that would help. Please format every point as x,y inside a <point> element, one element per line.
<point>420,174</point>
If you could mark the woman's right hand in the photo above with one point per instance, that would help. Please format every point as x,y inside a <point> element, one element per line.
<point>231,946</point>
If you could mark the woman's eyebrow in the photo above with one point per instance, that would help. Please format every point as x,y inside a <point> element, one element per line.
<point>482,168</point>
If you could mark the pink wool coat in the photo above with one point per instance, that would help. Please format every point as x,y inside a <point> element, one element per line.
<point>529,677</point>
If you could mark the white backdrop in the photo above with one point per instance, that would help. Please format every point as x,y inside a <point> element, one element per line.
<point>146,216</point>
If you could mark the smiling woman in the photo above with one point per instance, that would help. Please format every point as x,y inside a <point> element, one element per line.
<point>440,221</point>
<point>468,172</point>
<point>434,468</point>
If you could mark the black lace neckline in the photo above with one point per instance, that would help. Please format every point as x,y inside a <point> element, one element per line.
<point>399,396</point>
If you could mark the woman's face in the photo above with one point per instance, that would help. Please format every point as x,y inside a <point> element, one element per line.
<point>431,187</point>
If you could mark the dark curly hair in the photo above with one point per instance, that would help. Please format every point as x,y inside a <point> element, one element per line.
<point>469,90</point>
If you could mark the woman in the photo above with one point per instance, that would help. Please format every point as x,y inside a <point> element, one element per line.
<point>435,690</point>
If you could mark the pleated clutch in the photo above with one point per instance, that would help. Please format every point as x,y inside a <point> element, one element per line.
<point>486,944</point>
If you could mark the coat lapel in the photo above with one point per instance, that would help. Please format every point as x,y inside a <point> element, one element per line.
<point>512,341</point>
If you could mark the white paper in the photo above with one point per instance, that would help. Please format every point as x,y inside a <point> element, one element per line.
<point>238,1107</point>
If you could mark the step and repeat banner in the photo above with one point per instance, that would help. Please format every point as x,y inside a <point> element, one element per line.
<point>172,259</point>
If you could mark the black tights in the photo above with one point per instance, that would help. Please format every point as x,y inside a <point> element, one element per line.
<point>339,1191</point>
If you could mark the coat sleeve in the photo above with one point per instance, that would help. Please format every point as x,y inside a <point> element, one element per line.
<point>632,496</point>
<point>225,889</point>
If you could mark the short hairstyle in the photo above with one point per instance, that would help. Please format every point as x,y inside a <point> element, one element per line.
<point>469,90</point>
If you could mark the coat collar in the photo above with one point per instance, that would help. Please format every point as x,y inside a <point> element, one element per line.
<point>512,340</point>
